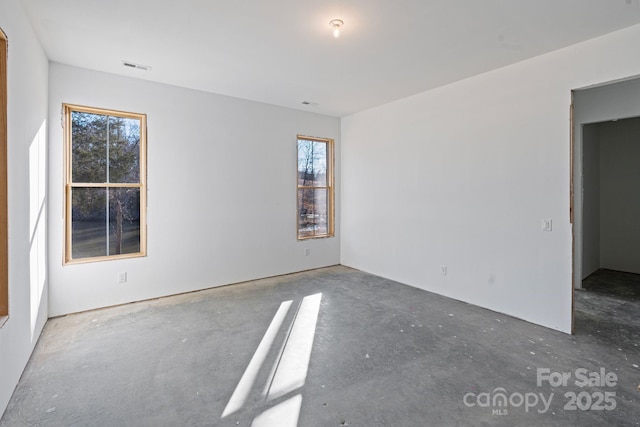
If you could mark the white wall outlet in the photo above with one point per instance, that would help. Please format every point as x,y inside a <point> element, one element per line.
<point>122,277</point>
<point>443,270</point>
<point>307,252</point>
<point>547,225</point>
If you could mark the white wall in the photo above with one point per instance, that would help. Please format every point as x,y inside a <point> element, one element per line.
<point>591,200</point>
<point>221,192</point>
<point>463,176</point>
<point>27,115</point>
<point>601,103</point>
<point>620,184</point>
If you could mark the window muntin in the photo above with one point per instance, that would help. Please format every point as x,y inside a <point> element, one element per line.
<point>105,184</point>
<point>315,187</point>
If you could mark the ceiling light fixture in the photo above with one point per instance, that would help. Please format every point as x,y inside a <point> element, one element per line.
<point>336,24</point>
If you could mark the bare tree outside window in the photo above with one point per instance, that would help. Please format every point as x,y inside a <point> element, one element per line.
<point>315,187</point>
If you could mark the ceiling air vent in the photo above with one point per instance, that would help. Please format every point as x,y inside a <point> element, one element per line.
<point>136,66</point>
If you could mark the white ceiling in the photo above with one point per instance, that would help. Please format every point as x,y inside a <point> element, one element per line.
<point>282,52</point>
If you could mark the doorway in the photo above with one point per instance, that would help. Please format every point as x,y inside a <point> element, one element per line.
<point>606,182</point>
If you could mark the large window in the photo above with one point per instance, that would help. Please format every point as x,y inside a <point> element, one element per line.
<point>315,187</point>
<point>105,195</point>
<point>4,230</point>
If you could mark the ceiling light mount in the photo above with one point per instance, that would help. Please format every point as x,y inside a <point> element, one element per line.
<point>336,25</point>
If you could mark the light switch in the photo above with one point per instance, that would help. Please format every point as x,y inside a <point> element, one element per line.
<point>546,225</point>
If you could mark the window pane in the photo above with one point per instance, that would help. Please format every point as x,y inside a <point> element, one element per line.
<point>312,163</point>
<point>305,162</point>
<point>88,222</point>
<point>88,147</point>
<point>312,212</point>
<point>98,231</point>
<point>124,221</point>
<point>319,164</point>
<point>320,211</point>
<point>305,204</point>
<point>124,150</point>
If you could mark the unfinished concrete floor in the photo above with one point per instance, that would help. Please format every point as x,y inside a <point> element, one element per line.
<point>366,352</point>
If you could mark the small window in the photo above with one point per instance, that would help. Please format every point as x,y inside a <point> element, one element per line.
<point>4,227</point>
<point>105,195</point>
<point>315,187</point>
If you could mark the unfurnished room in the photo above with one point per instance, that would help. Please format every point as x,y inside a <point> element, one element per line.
<point>319,213</point>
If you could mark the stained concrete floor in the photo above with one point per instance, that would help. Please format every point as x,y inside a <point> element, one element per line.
<point>383,354</point>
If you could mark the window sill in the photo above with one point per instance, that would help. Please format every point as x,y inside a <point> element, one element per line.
<point>104,258</point>
<point>323,236</point>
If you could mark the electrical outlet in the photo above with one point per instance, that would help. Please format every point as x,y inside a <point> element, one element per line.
<point>307,252</point>
<point>443,270</point>
<point>122,277</point>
